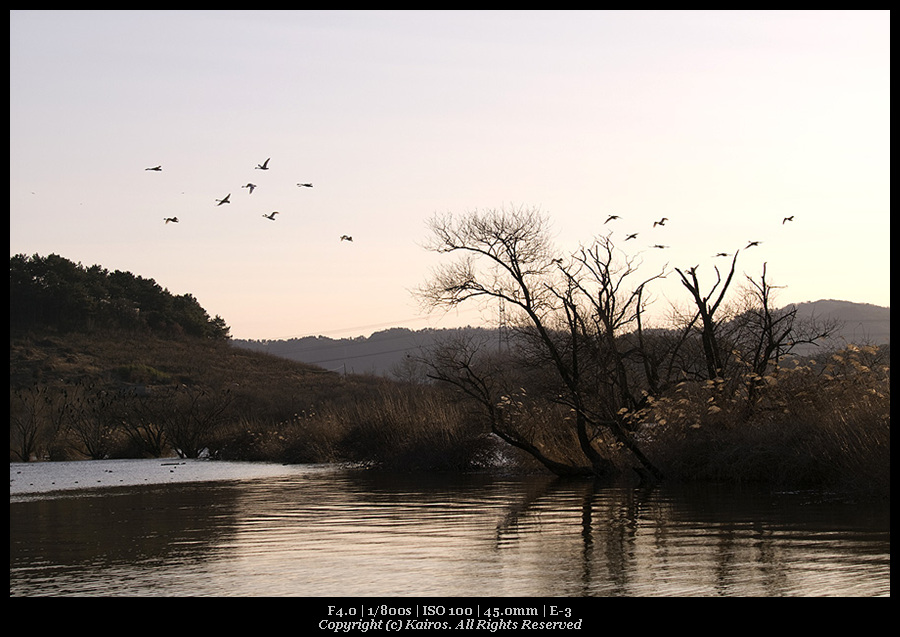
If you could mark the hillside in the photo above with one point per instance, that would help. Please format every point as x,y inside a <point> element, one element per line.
<point>122,360</point>
<point>388,352</point>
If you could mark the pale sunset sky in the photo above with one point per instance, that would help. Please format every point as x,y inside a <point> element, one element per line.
<point>725,122</point>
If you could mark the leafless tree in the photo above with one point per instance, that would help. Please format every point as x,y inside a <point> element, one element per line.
<point>92,420</point>
<point>486,374</point>
<point>36,415</point>
<point>140,419</point>
<point>189,416</point>
<point>766,334</point>
<point>707,305</point>
<point>571,311</point>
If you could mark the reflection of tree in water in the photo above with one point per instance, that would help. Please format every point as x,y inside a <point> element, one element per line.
<point>608,518</point>
<point>674,541</point>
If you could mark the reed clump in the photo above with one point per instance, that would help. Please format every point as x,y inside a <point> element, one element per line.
<point>412,427</point>
<point>809,423</point>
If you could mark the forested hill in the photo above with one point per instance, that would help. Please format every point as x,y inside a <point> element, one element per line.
<point>53,292</point>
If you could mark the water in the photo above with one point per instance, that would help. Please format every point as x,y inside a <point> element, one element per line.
<point>172,528</point>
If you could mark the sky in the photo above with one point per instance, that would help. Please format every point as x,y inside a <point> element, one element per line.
<point>725,122</point>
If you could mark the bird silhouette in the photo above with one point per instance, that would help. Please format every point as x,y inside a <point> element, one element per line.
<point>272,215</point>
<point>631,236</point>
<point>250,186</point>
<point>264,165</point>
<point>305,185</point>
<point>155,168</point>
<point>610,218</point>
<point>172,219</point>
<point>661,247</point>
<point>661,222</point>
<point>786,219</point>
<point>753,243</point>
<point>722,254</point>
<point>227,199</point>
<point>345,237</point>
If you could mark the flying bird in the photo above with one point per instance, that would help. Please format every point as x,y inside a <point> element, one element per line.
<point>305,185</point>
<point>272,215</point>
<point>661,222</point>
<point>753,243</point>
<point>156,168</point>
<point>786,219</point>
<point>172,219</point>
<point>264,165</point>
<point>631,236</point>
<point>659,246</point>
<point>610,218</point>
<point>225,200</point>
<point>250,186</point>
<point>345,237</point>
<point>722,254</point>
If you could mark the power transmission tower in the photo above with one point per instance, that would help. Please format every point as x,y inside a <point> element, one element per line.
<point>501,330</point>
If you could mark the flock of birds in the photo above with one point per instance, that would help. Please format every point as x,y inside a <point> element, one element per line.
<point>662,222</point>
<point>271,216</point>
<point>251,187</point>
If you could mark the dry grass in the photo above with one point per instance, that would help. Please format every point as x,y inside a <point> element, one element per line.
<point>815,424</point>
<point>818,424</point>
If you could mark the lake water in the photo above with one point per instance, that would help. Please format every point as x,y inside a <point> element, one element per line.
<point>202,528</point>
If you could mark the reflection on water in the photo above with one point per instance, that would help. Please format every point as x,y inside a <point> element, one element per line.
<point>370,534</point>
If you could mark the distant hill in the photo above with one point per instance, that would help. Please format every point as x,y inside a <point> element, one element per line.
<point>386,352</point>
<point>382,353</point>
<point>861,323</point>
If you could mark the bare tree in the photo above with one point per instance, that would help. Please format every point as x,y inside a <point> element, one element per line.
<point>613,306</point>
<point>141,421</point>
<point>92,421</point>
<point>485,374</point>
<point>189,416</point>
<point>571,312</point>
<point>767,334</point>
<point>707,306</point>
<point>36,415</point>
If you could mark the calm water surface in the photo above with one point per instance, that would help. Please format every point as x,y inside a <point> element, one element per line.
<point>241,529</point>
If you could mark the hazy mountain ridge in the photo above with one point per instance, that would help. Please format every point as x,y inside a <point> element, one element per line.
<point>386,351</point>
<point>861,323</point>
<point>380,353</point>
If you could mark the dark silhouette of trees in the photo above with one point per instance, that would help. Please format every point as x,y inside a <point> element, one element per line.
<point>92,421</point>
<point>578,340</point>
<point>189,417</point>
<point>37,415</point>
<point>707,306</point>
<point>55,292</point>
<point>570,316</point>
<point>764,335</point>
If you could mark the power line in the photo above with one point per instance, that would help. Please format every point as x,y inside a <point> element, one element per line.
<point>360,328</point>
